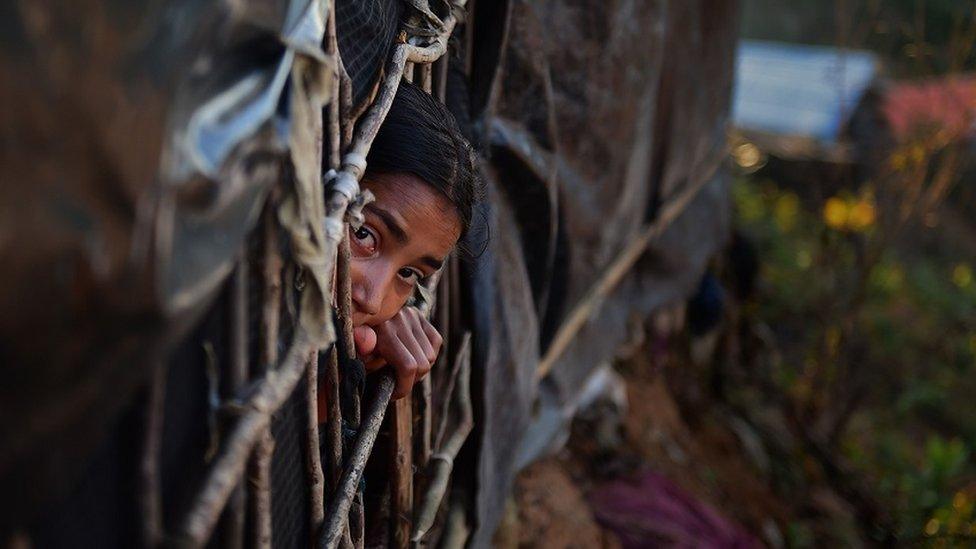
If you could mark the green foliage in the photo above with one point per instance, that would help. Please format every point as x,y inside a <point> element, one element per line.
<point>847,308</point>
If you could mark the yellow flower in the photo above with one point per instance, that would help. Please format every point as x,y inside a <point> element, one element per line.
<point>932,527</point>
<point>962,275</point>
<point>861,216</point>
<point>958,501</point>
<point>835,213</point>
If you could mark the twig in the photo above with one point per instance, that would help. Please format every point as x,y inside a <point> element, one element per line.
<point>270,317</point>
<point>426,421</point>
<point>338,512</point>
<point>401,474</point>
<point>271,290</point>
<point>442,462</point>
<point>316,479</point>
<point>332,48</point>
<point>357,522</point>
<point>334,422</point>
<point>261,481</point>
<point>227,470</point>
<point>425,77</point>
<point>236,380</point>
<point>150,498</point>
<point>616,271</point>
<point>456,529</point>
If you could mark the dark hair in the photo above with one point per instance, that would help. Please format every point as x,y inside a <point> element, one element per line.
<point>420,136</point>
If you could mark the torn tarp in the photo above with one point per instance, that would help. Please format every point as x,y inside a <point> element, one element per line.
<point>602,114</point>
<point>138,151</point>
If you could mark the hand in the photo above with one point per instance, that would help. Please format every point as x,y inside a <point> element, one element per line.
<point>407,342</point>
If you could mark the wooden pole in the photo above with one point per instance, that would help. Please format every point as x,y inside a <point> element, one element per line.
<point>401,473</point>
<point>150,497</point>
<point>612,276</point>
<point>338,511</point>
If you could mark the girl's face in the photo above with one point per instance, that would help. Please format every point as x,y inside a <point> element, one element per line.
<point>408,233</point>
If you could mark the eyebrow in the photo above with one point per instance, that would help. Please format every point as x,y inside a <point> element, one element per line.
<point>401,235</point>
<point>391,223</point>
<point>432,262</point>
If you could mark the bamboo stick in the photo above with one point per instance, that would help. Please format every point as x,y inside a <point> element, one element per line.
<point>228,468</point>
<point>338,511</point>
<point>357,521</point>
<point>401,465</point>
<point>442,462</point>
<point>261,481</point>
<point>150,497</point>
<point>612,276</point>
<point>236,380</point>
<point>316,480</point>
<point>425,77</point>
<point>260,462</point>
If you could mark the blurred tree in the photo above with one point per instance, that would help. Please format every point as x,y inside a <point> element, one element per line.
<point>916,37</point>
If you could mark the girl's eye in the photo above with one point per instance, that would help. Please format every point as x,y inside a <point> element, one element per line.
<point>410,275</point>
<point>364,241</point>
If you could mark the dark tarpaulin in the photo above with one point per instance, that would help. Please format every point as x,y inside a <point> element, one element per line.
<point>139,140</point>
<point>604,112</point>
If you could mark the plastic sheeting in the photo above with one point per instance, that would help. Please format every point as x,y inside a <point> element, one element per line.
<point>140,139</point>
<point>603,112</point>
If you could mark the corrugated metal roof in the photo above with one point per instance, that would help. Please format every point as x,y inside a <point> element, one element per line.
<point>797,90</point>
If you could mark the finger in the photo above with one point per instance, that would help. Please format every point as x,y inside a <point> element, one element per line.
<point>423,339</point>
<point>405,368</point>
<point>365,339</point>
<point>433,336</point>
<point>421,363</point>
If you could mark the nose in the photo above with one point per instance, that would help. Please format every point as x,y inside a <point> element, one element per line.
<point>364,300</point>
<point>368,287</point>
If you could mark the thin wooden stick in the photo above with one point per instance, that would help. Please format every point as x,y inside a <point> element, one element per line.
<point>150,498</point>
<point>357,521</point>
<point>271,290</point>
<point>332,48</point>
<point>426,420</point>
<point>334,416</point>
<point>316,481</point>
<point>228,468</point>
<point>236,380</point>
<point>612,276</point>
<point>260,463</point>
<point>442,462</point>
<point>261,481</point>
<point>334,422</point>
<point>425,77</point>
<point>338,512</point>
<point>401,474</point>
<point>441,65</point>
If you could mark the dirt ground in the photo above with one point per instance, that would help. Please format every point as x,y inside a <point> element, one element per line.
<point>703,456</point>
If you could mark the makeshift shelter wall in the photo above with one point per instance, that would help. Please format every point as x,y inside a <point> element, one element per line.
<point>604,113</point>
<point>592,115</point>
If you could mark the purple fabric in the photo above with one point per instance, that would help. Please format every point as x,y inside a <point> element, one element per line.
<point>653,511</point>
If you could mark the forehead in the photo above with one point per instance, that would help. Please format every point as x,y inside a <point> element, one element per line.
<point>429,221</point>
